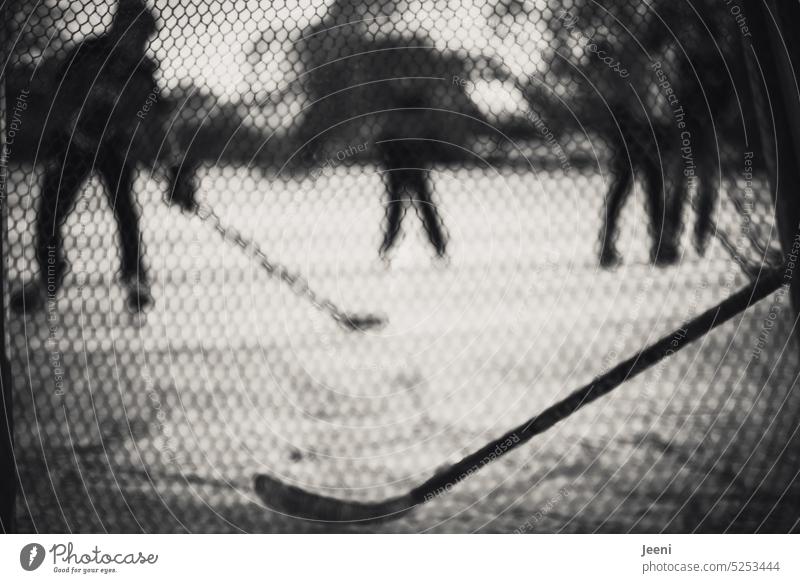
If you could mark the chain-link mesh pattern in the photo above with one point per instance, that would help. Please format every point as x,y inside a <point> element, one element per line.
<point>443,164</point>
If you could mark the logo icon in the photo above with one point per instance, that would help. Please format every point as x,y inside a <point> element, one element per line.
<point>31,556</point>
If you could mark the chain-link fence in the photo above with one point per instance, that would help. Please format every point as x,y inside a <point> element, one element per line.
<point>460,169</point>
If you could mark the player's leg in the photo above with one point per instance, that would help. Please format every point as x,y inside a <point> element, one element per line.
<point>426,210</point>
<point>707,190</point>
<point>677,193</point>
<point>62,182</point>
<point>618,192</point>
<point>395,208</point>
<point>665,246</point>
<point>118,177</point>
<point>183,185</point>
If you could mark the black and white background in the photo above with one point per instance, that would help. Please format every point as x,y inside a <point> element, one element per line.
<point>513,111</point>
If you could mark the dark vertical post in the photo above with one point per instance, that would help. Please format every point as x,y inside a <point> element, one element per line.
<point>772,57</point>
<point>8,470</point>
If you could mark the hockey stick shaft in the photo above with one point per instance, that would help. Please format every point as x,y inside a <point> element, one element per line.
<point>296,282</point>
<point>760,288</point>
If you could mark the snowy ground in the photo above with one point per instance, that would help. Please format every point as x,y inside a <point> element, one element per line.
<point>162,424</point>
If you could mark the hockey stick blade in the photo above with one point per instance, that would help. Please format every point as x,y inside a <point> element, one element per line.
<point>299,503</point>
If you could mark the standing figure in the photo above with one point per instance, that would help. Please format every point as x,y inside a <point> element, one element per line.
<point>406,154</point>
<point>639,149</point>
<point>104,85</point>
<point>398,91</point>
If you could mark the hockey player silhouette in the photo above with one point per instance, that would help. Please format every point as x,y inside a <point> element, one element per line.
<point>104,86</point>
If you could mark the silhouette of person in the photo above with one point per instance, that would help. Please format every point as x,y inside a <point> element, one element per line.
<point>104,85</point>
<point>407,150</point>
<point>397,91</point>
<point>640,150</point>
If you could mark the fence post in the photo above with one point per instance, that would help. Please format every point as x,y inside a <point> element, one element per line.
<point>772,58</point>
<point>8,470</point>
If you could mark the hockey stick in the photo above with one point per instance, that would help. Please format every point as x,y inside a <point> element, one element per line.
<point>299,503</point>
<point>296,282</point>
<point>202,210</point>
